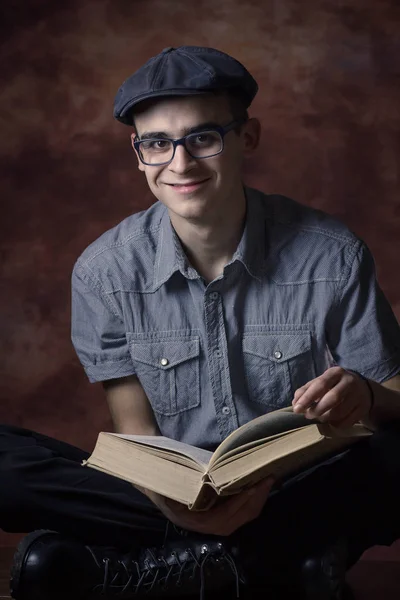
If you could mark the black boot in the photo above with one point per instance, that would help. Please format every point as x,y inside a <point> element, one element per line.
<point>324,575</point>
<point>49,566</point>
<point>320,576</point>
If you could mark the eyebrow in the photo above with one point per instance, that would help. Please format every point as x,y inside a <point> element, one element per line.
<point>186,131</point>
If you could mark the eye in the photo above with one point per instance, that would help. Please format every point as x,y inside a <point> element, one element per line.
<point>202,138</point>
<point>160,144</point>
<point>155,144</point>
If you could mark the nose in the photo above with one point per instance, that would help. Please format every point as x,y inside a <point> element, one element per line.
<point>182,160</point>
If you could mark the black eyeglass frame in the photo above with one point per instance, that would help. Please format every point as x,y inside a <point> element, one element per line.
<point>223,130</point>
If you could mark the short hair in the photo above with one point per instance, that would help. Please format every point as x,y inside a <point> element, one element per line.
<point>236,104</point>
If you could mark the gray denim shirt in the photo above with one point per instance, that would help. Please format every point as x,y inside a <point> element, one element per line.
<point>298,296</point>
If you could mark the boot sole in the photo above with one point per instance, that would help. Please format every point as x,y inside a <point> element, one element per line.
<point>18,563</point>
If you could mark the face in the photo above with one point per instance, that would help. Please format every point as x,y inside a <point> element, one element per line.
<point>221,187</point>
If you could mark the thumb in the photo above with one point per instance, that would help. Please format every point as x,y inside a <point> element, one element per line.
<point>263,487</point>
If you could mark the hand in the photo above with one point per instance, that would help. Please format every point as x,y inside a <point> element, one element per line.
<point>338,397</point>
<point>224,517</point>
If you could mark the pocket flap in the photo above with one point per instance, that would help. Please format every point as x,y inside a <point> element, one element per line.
<point>165,354</point>
<point>277,347</point>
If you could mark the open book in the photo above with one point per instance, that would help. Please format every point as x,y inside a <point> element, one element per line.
<point>280,443</point>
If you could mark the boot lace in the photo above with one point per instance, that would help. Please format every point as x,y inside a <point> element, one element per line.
<point>123,579</point>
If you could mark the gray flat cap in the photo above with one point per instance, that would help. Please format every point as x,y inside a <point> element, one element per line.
<point>184,71</point>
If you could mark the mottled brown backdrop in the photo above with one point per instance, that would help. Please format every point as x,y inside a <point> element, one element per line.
<point>329,103</point>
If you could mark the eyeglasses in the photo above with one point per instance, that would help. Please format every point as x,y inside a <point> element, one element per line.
<point>203,144</point>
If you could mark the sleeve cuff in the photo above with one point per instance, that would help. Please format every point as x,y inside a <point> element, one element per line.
<point>109,370</point>
<point>383,371</point>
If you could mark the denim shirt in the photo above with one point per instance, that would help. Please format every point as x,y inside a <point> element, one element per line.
<point>299,295</point>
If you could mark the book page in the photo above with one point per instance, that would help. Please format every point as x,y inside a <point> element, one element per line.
<point>236,453</point>
<point>198,455</point>
<point>280,457</point>
<point>326,430</point>
<point>269,425</point>
<point>139,465</point>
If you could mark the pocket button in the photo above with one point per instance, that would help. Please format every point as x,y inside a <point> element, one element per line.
<point>278,354</point>
<point>164,362</point>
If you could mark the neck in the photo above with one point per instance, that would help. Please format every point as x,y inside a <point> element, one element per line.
<point>210,245</point>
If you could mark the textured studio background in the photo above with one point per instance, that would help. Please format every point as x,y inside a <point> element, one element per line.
<point>329,103</point>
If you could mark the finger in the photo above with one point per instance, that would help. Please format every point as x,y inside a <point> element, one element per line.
<point>255,503</point>
<point>336,414</point>
<point>232,504</point>
<point>241,508</point>
<point>338,403</point>
<point>217,520</point>
<point>262,488</point>
<point>353,417</point>
<point>300,391</point>
<point>253,498</point>
<point>176,507</point>
<point>260,492</point>
<point>318,388</point>
<point>237,502</point>
<point>224,519</point>
<point>333,399</point>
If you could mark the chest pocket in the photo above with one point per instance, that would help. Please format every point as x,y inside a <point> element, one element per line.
<point>169,372</point>
<point>276,364</point>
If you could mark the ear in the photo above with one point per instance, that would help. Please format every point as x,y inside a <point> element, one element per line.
<point>251,133</point>
<point>140,164</point>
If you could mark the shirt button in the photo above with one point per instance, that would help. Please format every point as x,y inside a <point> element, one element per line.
<point>226,410</point>
<point>278,354</point>
<point>218,353</point>
<point>214,295</point>
<point>164,362</point>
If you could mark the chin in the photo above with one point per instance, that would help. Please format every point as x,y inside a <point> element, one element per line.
<point>188,212</point>
<point>188,205</point>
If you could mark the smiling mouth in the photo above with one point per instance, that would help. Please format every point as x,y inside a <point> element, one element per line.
<point>192,183</point>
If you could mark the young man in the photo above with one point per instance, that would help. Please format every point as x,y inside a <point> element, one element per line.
<point>216,305</point>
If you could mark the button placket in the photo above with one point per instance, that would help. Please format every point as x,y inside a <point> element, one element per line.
<point>219,364</point>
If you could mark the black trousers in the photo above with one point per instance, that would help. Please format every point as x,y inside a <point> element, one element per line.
<point>43,485</point>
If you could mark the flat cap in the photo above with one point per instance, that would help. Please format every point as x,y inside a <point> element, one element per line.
<point>184,71</point>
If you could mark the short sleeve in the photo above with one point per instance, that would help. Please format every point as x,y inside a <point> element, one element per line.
<point>98,332</point>
<point>363,334</point>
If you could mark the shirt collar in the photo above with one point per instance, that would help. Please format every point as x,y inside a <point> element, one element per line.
<point>170,256</point>
<point>252,248</point>
<point>251,251</point>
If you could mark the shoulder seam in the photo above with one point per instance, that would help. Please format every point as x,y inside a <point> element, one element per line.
<point>97,285</point>
<point>354,250</point>
<point>273,215</point>
<point>127,239</point>
<point>314,229</point>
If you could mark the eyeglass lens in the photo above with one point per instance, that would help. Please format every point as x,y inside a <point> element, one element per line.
<point>199,145</point>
